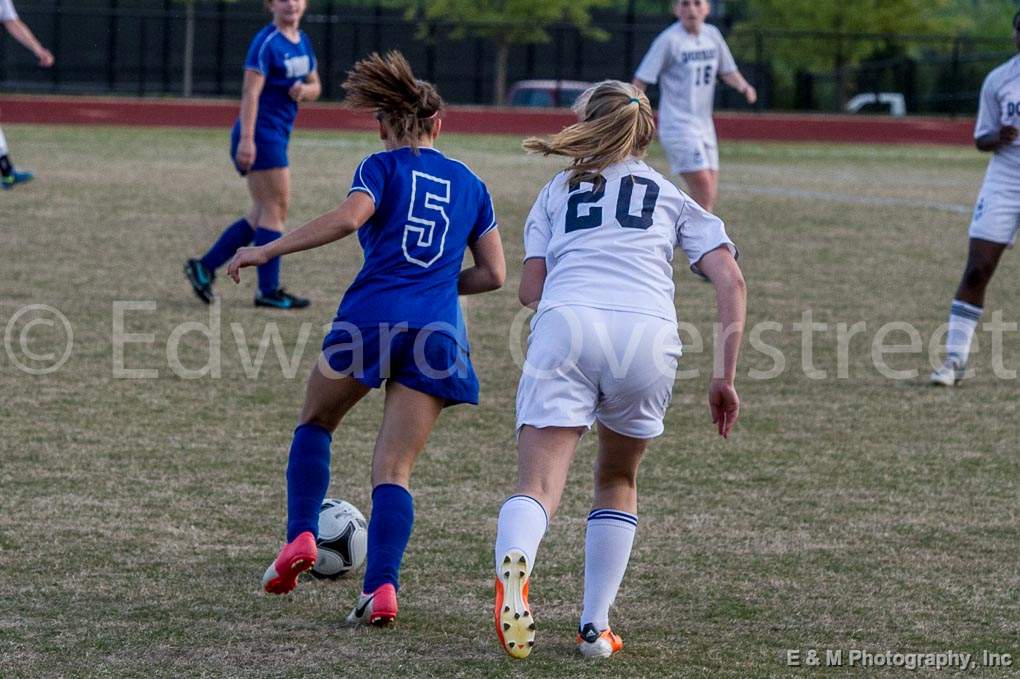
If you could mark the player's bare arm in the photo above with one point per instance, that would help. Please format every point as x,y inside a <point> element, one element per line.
<point>532,282</point>
<point>489,270</point>
<point>332,226</point>
<point>991,143</point>
<point>23,34</point>
<point>308,90</point>
<point>740,84</point>
<point>731,303</point>
<point>640,84</point>
<point>252,88</point>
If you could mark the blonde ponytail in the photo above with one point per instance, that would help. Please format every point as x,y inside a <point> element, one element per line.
<point>616,122</point>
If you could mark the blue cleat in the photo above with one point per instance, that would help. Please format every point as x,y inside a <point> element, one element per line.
<point>16,177</point>
<point>201,280</point>
<point>280,299</point>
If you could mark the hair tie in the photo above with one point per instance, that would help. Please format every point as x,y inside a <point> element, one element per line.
<point>635,100</point>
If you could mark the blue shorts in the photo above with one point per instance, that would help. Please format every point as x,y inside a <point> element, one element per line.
<point>270,150</point>
<point>429,361</point>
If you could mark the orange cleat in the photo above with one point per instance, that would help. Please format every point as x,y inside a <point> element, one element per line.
<point>378,608</point>
<point>515,625</point>
<point>592,643</point>
<point>296,557</point>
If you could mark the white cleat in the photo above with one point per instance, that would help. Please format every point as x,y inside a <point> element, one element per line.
<point>378,608</point>
<point>515,625</point>
<point>950,374</point>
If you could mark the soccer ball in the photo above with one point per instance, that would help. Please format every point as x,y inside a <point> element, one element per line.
<point>342,541</point>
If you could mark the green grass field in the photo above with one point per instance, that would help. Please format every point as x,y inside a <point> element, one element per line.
<point>851,511</point>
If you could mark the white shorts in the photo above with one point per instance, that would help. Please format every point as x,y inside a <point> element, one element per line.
<point>585,364</point>
<point>996,216</point>
<point>689,153</point>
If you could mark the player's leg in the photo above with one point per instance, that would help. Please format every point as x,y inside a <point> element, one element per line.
<point>631,413</point>
<point>270,192</point>
<point>408,418</point>
<point>9,175</point>
<point>612,523</point>
<point>965,312</point>
<point>328,398</point>
<point>703,186</point>
<point>201,272</point>
<point>543,460</point>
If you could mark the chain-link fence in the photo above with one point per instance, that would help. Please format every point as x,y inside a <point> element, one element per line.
<point>138,47</point>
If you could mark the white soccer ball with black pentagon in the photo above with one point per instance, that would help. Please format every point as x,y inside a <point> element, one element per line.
<point>342,540</point>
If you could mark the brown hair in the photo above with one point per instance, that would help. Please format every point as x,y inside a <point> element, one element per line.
<point>616,122</point>
<point>386,85</point>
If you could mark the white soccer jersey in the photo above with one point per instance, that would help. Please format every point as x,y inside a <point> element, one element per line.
<point>7,12</point>
<point>686,68</point>
<point>1000,105</point>
<point>612,247</point>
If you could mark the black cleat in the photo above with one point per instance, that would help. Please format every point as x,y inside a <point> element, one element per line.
<point>281,299</point>
<point>201,279</point>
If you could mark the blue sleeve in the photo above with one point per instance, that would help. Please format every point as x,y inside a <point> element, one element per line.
<point>486,221</point>
<point>258,54</point>
<point>370,178</point>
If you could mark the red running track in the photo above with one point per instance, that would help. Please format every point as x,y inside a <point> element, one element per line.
<point>66,110</point>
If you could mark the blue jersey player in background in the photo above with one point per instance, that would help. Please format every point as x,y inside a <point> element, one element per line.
<point>416,212</point>
<point>279,72</point>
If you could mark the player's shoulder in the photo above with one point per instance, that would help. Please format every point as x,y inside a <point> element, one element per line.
<point>1004,73</point>
<point>459,168</point>
<point>670,33</point>
<point>713,32</point>
<point>265,35</point>
<point>642,169</point>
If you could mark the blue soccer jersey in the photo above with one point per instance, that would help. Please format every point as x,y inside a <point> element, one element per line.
<point>428,210</point>
<point>283,63</point>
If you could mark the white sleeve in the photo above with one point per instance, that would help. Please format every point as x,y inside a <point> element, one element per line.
<point>538,227</point>
<point>654,60</point>
<point>726,63</point>
<point>699,232</point>
<point>7,12</point>
<point>988,121</point>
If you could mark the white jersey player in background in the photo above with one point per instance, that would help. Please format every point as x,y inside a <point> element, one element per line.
<point>599,244</point>
<point>685,60</point>
<point>9,176</point>
<point>996,214</point>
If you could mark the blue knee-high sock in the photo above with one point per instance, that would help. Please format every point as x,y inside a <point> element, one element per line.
<point>237,235</point>
<point>307,479</point>
<point>388,532</point>
<point>269,273</point>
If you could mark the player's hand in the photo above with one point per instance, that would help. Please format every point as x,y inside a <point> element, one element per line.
<point>751,94</point>
<point>724,403</point>
<point>45,58</point>
<point>1007,135</point>
<point>245,257</point>
<point>297,91</point>
<point>245,156</point>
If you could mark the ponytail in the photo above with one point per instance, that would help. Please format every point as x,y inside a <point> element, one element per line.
<point>616,123</point>
<point>386,85</point>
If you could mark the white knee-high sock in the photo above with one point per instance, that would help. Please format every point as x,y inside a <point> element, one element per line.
<point>522,523</point>
<point>3,144</point>
<point>607,546</point>
<point>963,321</point>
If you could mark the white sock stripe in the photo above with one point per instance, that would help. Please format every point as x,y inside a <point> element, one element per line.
<point>613,515</point>
<point>528,498</point>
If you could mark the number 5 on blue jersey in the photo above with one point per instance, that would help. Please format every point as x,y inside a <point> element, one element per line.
<point>425,215</point>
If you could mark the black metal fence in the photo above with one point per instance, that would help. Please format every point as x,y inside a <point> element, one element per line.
<point>136,47</point>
